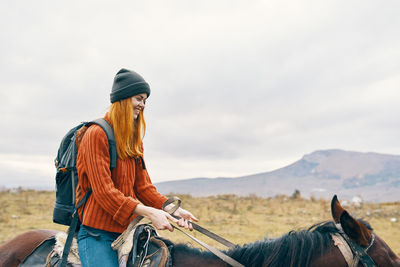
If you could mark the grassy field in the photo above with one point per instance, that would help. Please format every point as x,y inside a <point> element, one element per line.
<point>238,219</point>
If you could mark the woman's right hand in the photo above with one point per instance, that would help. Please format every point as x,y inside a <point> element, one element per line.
<point>159,218</point>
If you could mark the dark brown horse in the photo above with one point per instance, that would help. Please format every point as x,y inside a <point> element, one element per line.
<point>315,246</point>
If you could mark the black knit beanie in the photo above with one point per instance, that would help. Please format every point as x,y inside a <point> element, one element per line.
<point>128,83</point>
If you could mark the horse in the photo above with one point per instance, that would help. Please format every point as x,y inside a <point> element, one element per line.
<point>322,244</point>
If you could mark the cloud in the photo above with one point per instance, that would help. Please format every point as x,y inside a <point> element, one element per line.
<point>237,87</point>
<point>26,171</point>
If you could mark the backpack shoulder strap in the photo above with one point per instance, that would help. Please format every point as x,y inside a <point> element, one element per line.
<point>111,139</point>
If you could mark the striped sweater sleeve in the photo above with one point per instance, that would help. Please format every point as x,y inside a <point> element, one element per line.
<point>97,163</point>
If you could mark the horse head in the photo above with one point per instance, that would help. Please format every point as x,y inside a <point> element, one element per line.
<point>361,239</point>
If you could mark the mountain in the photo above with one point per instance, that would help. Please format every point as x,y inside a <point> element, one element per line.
<point>375,177</point>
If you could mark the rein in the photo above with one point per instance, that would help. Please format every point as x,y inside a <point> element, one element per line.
<point>204,231</point>
<point>196,226</point>
<point>358,253</point>
<point>121,239</point>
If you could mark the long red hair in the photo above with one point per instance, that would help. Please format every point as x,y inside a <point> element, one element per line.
<point>128,132</point>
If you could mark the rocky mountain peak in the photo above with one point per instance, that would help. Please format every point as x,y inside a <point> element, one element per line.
<point>323,173</point>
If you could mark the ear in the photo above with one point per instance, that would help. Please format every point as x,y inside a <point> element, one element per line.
<point>336,209</point>
<point>355,230</point>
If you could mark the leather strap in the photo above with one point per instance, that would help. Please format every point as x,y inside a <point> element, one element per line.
<point>121,239</point>
<point>72,230</point>
<point>204,231</point>
<point>213,250</point>
<point>196,226</point>
<point>359,254</point>
<point>171,200</point>
<point>344,248</point>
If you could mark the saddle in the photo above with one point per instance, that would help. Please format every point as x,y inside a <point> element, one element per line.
<point>37,257</point>
<point>148,249</point>
<point>142,248</point>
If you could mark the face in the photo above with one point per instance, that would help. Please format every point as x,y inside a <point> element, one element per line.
<point>138,103</point>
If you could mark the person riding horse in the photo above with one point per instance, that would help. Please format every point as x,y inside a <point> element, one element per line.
<point>118,197</point>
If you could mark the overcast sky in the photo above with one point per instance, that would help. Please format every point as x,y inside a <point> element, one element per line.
<point>238,87</point>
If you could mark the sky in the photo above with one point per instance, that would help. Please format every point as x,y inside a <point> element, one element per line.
<point>238,87</point>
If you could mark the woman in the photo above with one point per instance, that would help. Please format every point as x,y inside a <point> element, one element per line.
<point>115,197</point>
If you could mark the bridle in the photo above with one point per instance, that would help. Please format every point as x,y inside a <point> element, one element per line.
<point>358,253</point>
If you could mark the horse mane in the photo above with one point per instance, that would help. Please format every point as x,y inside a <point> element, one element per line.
<point>295,248</point>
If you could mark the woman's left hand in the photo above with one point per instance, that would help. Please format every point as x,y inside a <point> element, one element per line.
<point>185,218</point>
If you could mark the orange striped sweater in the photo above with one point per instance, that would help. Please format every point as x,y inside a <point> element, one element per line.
<point>115,196</point>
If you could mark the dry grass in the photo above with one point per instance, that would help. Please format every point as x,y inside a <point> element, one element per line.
<point>26,210</point>
<point>239,219</point>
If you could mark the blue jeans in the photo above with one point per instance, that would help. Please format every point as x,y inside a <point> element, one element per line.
<point>95,247</point>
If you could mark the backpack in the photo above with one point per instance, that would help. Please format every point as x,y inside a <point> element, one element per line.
<point>65,211</point>
<point>67,175</point>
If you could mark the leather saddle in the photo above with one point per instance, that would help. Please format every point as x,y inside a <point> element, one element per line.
<point>149,249</point>
<point>37,257</point>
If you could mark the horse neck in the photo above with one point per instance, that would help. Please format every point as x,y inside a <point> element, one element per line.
<point>184,256</point>
<point>297,248</point>
<point>331,258</point>
<point>300,248</point>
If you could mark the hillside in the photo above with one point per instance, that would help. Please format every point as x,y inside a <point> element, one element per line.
<point>375,177</point>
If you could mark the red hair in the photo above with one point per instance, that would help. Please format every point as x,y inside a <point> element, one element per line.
<point>128,132</point>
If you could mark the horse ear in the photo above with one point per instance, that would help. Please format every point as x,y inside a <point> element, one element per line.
<point>336,209</point>
<point>355,230</point>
